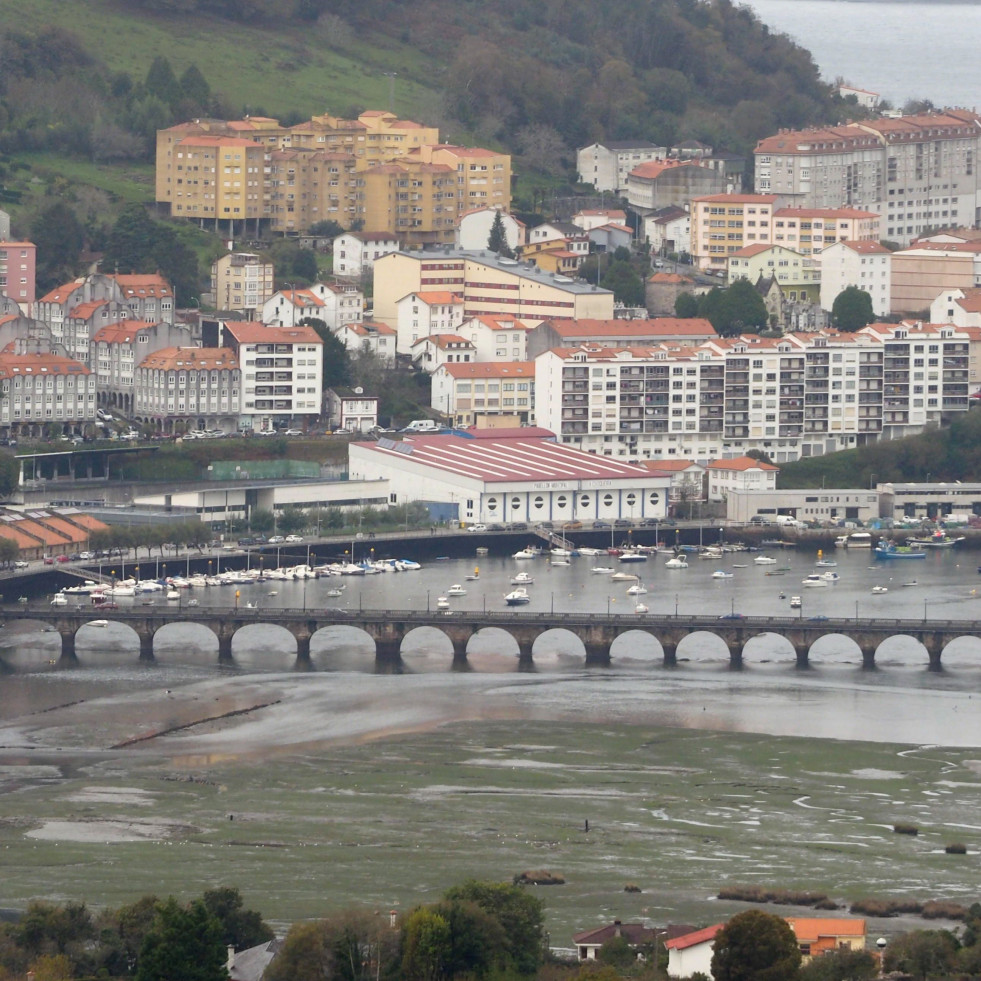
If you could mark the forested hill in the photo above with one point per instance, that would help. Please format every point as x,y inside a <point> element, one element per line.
<point>538,77</point>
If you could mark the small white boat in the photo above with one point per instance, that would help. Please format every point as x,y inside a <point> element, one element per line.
<point>87,587</point>
<point>722,574</point>
<point>59,599</point>
<point>273,592</point>
<point>407,565</point>
<point>526,553</point>
<point>633,556</point>
<point>912,582</point>
<point>795,602</point>
<point>641,608</point>
<point>192,602</point>
<point>517,597</point>
<point>624,577</point>
<point>560,561</point>
<point>602,570</point>
<point>334,592</point>
<point>830,577</point>
<point>475,575</point>
<point>442,603</point>
<point>677,562</point>
<point>826,563</point>
<point>251,605</point>
<point>173,594</point>
<point>522,579</point>
<point>814,579</point>
<point>585,550</point>
<point>880,589</point>
<point>764,560</point>
<point>456,590</point>
<point>98,623</point>
<point>637,589</point>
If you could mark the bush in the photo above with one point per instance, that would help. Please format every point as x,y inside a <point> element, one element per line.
<point>632,887</point>
<point>783,897</point>
<point>956,849</point>
<point>935,909</point>
<point>905,829</point>
<point>885,907</point>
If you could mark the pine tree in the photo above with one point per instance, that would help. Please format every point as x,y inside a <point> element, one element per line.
<point>497,241</point>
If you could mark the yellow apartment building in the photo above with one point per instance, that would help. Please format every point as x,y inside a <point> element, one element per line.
<point>488,284</point>
<point>303,187</point>
<point>215,178</point>
<point>722,224</point>
<point>416,202</point>
<point>483,176</point>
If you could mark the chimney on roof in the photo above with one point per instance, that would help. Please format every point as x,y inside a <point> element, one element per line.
<point>230,961</point>
<point>616,928</point>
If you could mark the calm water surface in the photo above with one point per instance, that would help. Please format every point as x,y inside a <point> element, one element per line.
<point>900,702</point>
<point>902,50</point>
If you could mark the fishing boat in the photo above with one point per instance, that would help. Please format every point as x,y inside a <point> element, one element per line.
<point>333,592</point>
<point>637,589</point>
<point>526,553</point>
<point>676,562</point>
<point>633,556</point>
<point>939,539</point>
<point>442,603</point>
<point>764,560</point>
<point>826,564</point>
<point>890,550</point>
<point>517,597</point>
<point>59,599</point>
<point>624,577</point>
<point>880,589</point>
<point>456,590</point>
<point>722,574</point>
<point>641,608</point>
<point>814,579</point>
<point>407,565</point>
<point>522,579</point>
<point>831,577</point>
<point>602,570</point>
<point>795,602</point>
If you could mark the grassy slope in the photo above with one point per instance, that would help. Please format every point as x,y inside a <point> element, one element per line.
<point>289,70</point>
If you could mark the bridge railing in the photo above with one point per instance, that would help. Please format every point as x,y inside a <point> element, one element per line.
<point>44,611</point>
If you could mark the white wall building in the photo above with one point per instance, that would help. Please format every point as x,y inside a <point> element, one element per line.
<point>334,305</point>
<point>468,393</point>
<point>497,338</point>
<point>500,476</point>
<point>241,281</point>
<point>668,230</point>
<point>369,335</point>
<point>692,953</point>
<point>606,165</point>
<point>421,314</point>
<point>741,473</point>
<point>281,369</point>
<point>867,265</point>
<point>351,408</point>
<point>960,307</point>
<point>474,228</point>
<point>355,252</point>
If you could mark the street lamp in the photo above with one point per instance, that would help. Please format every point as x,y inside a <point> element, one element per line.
<point>881,944</point>
<point>675,604</point>
<point>427,600</point>
<point>607,605</point>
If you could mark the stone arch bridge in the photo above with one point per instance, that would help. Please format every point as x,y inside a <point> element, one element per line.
<point>388,629</point>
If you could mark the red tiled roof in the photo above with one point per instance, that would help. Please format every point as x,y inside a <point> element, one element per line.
<point>824,213</point>
<point>655,327</point>
<point>741,463</point>
<point>490,369</point>
<point>433,297</point>
<point>39,364</point>
<point>497,460</point>
<point>250,332</point>
<point>739,198</point>
<point>85,310</point>
<point>808,929</point>
<point>122,333</point>
<point>191,358</point>
<point>692,939</point>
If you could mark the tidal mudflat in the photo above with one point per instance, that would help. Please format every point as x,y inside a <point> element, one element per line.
<point>312,793</point>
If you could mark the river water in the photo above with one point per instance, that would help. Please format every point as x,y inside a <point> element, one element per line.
<point>836,698</point>
<point>910,49</point>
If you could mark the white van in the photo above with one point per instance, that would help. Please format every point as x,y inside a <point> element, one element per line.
<point>421,426</point>
<point>787,521</point>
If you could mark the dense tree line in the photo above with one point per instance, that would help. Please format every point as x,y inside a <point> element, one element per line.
<point>737,309</point>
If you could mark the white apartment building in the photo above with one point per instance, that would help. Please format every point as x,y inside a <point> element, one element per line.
<point>867,265</point>
<point>469,392</point>
<point>798,395</point>
<point>371,336</point>
<point>497,338</point>
<point>428,353</point>
<point>918,172</point>
<point>197,386</point>
<point>282,372</point>
<point>355,252</point>
<point>334,305</point>
<point>38,388</point>
<point>741,473</point>
<point>241,281</point>
<point>576,239</point>
<point>607,165</point>
<point>590,218</point>
<point>422,314</point>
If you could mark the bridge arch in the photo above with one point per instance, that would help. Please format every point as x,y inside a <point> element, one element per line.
<point>29,645</point>
<point>266,646</point>
<point>962,653</point>
<point>557,649</point>
<point>342,647</point>
<point>427,649</point>
<point>900,651</point>
<point>768,647</point>
<point>493,650</point>
<point>184,642</point>
<point>703,650</point>
<point>102,640</point>
<point>637,647</point>
<point>834,650</point>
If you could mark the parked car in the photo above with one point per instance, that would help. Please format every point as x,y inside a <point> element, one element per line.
<point>276,540</point>
<point>293,432</point>
<point>343,431</point>
<point>601,524</point>
<point>49,560</point>
<point>63,558</point>
<point>477,527</point>
<point>21,564</point>
<point>517,526</point>
<point>623,523</point>
<point>246,542</point>
<point>572,526</point>
<point>292,539</point>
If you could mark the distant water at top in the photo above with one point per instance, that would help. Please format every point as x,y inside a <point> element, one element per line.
<point>902,49</point>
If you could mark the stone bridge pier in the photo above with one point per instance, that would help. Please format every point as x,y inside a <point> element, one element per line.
<point>801,647</point>
<point>525,638</point>
<point>388,645</point>
<point>67,645</point>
